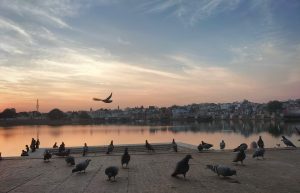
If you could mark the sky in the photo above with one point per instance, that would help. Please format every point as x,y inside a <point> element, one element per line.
<point>160,52</point>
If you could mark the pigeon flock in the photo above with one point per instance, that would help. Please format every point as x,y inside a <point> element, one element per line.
<point>181,168</point>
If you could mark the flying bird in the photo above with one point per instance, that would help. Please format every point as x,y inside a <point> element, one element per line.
<point>107,100</point>
<point>222,170</point>
<point>259,152</point>
<point>174,145</point>
<point>260,142</point>
<point>112,171</point>
<point>81,166</point>
<point>70,160</point>
<point>287,142</point>
<point>222,144</point>
<point>125,158</point>
<point>47,155</point>
<point>240,156</point>
<point>182,166</point>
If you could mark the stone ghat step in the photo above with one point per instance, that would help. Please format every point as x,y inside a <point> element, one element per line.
<point>117,148</point>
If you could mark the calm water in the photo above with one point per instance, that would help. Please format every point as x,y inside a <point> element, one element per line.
<point>13,139</point>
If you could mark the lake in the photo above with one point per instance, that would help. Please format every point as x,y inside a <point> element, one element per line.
<point>13,139</point>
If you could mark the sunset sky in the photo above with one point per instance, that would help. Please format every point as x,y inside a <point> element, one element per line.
<point>159,52</point>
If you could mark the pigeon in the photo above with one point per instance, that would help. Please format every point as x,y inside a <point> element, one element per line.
<point>112,171</point>
<point>222,170</point>
<point>243,146</point>
<point>125,158</point>
<point>174,145</point>
<point>110,148</point>
<point>70,160</point>
<point>81,166</point>
<point>107,100</point>
<point>240,156</point>
<point>63,153</point>
<point>206,145</point>
<point>260,142</point>
<point>253,145</point>
<point>298,130</point>
<point>182,166</point>
<point>149,146</point>
<point>287,142</point>
<point>222,144</point>
<point>259,152</point>
<point>47,155</point>
<point>200,147</point>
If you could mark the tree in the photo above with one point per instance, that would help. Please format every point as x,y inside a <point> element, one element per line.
<point>274,106</point>
<point>56,114</point>
<point>8,113</point>
<point>84,115</point>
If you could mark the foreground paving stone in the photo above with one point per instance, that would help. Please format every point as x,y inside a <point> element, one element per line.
<point>151,172</point>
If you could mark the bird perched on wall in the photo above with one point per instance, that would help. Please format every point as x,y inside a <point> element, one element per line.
<point>243,146</point>
<point>287,142</point>
<point>107,100</point>
<point>221,170</point>
<point>182,166</point>
<point>204,145</point>
<point>110,147</point>
<point>222,144</point>
<point>81,166</point>
<point>149,146</point>
<point>259,152</point>
<point>112,171</point>
<point>174,145</point>
<point>240,156</point>
<point>63,153</point>
<point>260,142</point>
<point>47,155</point>
<point>70,160</point>
<point>125,158</point>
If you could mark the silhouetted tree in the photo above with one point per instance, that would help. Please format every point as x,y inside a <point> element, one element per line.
<point>274,106</point>
<point>56,114</point>
<point>84,115</point>
<point>8,113</point>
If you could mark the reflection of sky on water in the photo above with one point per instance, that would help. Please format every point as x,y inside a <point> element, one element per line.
<point>13,139</point>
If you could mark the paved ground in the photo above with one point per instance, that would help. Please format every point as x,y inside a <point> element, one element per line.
<point>279,172</point>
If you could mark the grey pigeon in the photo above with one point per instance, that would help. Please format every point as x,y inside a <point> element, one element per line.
<point>253,145</point>
<point>125,158</point>
<point>47,155</point>
<point>110,148</point>
<point>70,160</point>
<point>243,146</point>
<point>149,146</point>
<point>259,152</point>
<point>174,145</point>
<point>206,145</point>
<point>287,142</point>
<point>222,144</point>
<point>112,171</point>
<point>200,147</point>
<point>81,166</point>
<point>260,142</point>
<point>240,156</point>
<point>182,166</point>
<point>222,170</point>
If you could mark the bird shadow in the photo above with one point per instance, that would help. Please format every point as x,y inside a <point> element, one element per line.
<point>230,180</point>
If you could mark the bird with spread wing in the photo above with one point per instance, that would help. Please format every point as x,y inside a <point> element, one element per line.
<point>107,100</point>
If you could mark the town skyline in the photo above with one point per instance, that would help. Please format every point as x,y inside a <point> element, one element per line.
<point>66,52</point>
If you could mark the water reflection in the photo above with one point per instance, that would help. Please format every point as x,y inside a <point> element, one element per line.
<point>13,139</point>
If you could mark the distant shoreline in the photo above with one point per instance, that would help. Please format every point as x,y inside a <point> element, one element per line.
<point>12,122</point>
